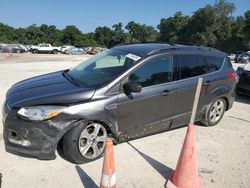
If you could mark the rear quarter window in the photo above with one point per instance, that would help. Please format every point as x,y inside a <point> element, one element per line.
<point>214,63</point>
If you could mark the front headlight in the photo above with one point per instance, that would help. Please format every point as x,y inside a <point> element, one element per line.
<point>39,113</point>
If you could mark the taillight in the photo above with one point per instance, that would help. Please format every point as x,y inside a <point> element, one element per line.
<point>232,75</point>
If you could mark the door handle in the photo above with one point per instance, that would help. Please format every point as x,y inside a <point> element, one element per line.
<point>207,83</point>
<point>166,92</point>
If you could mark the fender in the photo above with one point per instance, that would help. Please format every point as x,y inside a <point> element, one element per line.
<point>112,126</point>
<point>220,91</point>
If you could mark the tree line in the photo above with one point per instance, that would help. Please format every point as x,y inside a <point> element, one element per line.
<point>212,25</point>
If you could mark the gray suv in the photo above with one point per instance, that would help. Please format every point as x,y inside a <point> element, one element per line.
<point>127,92</point>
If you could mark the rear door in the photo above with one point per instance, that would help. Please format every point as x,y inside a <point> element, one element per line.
<point>191,67</point>
<point>150,110</point>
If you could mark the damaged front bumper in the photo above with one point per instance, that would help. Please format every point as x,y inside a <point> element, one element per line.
<point>28,138</point>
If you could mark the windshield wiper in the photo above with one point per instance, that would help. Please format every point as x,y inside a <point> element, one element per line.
<point>70,78</point>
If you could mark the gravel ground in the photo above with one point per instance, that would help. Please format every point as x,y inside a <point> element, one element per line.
<point>222,151</point>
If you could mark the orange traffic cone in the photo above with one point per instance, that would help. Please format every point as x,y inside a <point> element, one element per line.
<point>186,175</point>
<point>108,179</point>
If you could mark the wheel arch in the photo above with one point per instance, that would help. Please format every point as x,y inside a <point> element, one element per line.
<point>219,92</point>
<point>109,127</point>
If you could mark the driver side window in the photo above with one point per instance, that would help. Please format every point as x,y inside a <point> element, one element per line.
<point>157,70</point>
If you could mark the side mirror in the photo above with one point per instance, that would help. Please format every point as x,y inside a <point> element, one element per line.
<point>132,87</point>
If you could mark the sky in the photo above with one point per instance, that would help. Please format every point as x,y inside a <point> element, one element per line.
<point>89,14</point>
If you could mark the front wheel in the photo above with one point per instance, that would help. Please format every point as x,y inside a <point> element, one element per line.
<point>35,51</point>
<point>84,143</point>
<point>214,112</point>
<point>54,51</point>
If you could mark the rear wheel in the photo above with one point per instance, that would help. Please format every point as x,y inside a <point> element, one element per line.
<point>214,112</point>
<point>84,143</point>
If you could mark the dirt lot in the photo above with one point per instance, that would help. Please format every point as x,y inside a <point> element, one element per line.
<point>222,151</point>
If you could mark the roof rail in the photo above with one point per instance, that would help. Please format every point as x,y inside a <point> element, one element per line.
<point>147,42</point>
<point>185,43</point>
<point>177,46</point>
<point>162,42</point>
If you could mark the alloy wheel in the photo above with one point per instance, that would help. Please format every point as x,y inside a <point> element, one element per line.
<point>216,111</point>
<point>92,140</point>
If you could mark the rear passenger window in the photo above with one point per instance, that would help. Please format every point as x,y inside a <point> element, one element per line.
<point>214,63</point>
<point>191,65</point>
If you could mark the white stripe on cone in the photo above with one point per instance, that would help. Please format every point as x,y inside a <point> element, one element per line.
<point>107,180</point>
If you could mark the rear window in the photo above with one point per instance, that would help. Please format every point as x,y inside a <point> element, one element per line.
<point>214,63</point>
<point>192,65</point>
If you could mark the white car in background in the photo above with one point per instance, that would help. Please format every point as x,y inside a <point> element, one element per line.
<point>44,48</point>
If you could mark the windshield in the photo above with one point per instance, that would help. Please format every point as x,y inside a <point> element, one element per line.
<point>103,68</point>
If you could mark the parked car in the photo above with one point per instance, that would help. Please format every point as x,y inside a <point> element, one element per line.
<point>74,51</point>
<point>26,49</point>
<point>44,48</point>
<point>231,57</point>
<point>2,47</point>
<point>64,48</point>
<point>13,48</point>
<point>93,51</point>
<point>243,86</point>
<point>243,58</point>
<point>127,92</point>
<point>87,49</point>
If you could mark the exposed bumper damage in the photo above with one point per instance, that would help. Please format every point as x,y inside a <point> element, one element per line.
<point>37,139</point>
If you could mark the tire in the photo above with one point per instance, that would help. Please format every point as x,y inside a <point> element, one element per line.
<point>35,51</point>
<point>84,143</point>
<point>214,112</point>
<point>54,51</point>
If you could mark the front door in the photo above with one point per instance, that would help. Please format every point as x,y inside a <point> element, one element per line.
<point>150,110</point>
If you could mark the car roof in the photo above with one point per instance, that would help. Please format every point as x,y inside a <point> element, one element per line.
<point>146,49</point>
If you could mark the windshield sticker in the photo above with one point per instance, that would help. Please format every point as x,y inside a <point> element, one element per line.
<point>133,56</point>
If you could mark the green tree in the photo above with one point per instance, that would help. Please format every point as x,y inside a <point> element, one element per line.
<point>33,34</point>
<point>201,27</point>
<point>223,22</point>
<point>103,36</point>
<point>72,35</point>
<point>140,33</point>
<point>247,28</point>
<point>211,25</point>
<point>236,43</point>
<point>119,36</point>
<point>172,29</point>
<point>6,33</point>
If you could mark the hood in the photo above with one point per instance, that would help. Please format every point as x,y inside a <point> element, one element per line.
<point>53,88</point>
